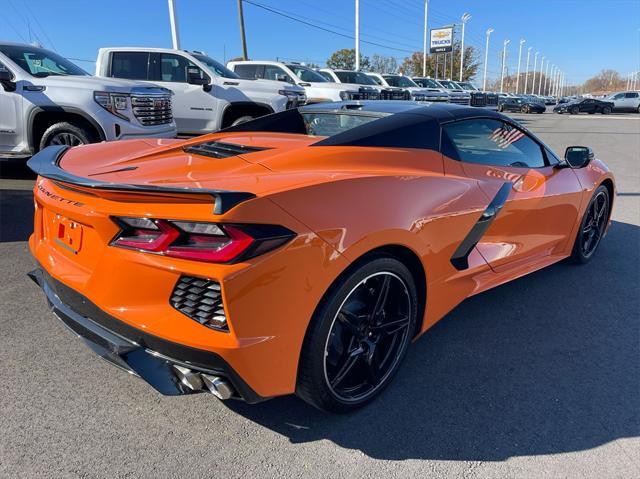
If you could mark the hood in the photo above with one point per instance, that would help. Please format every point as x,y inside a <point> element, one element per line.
<point>89,82</point>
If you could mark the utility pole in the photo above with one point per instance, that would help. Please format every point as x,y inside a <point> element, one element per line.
<point>486,58</point>
<point>173,20</point>
<point>504,57</point>
<point>243,37</point>
<point>535,65</point>
<point>465,18</point>
<point>522,41</point>
<point>444,68</point>
<point>424,46</point>
<point>540,80</point>
<point>357,35</point>
<point>526,75</point>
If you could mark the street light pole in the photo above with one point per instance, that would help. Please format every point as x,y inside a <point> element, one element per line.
<point>243,37</point>
<point>526,75</point>
<point>357,35</point>
<point>540,79</point>
<point>486,57</point>
<point>173,19</point>
<point>546,77</point>
<point>535,65</point>
<point>519,58</point>
<point>504,57</point>
<point>465,18</point>
<point>424,46</point>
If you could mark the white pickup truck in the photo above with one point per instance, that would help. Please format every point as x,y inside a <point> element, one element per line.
<point>207,95</point>
<point>47,100</point>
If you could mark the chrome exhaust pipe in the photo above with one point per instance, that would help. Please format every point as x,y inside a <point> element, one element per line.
<point>217,386</point>
<point>189,378</point>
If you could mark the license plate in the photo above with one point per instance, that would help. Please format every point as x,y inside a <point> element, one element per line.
<point>67,234</point>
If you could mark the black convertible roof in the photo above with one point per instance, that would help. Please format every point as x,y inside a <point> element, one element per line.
<point>401,124</point>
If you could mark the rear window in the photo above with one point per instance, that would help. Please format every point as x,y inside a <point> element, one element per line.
<point>329,124</point>
<point>130,65</point>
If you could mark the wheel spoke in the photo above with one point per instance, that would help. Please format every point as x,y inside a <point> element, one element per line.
<point>349,320</point>
<point>373,372</point>
<point>392,327</point>
<point>382,297</point>
<point>348,365</point>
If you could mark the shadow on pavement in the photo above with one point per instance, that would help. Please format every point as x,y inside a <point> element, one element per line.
<point>546,364</point>
<point>16,215</point>
<point>16,170</point>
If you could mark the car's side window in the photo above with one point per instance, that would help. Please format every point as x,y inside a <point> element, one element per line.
<point>619,96</point>
<point>130,65</point>
<point>493,142</point>
<point>631,95</point>
<point>248,72</point>
<point>273,72</point>
<point>173,68</point>
<point>377,80</point>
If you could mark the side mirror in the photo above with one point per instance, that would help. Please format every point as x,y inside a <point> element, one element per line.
<point>194,77</point>
<point>578,156</point>
<point>6,80</point>
<point>281,78</point>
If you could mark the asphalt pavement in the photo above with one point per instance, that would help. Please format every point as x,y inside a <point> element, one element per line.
<point>537,378</point>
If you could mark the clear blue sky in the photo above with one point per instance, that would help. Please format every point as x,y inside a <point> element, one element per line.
<point>580,36</point>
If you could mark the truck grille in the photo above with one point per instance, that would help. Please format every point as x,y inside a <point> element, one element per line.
<point>299,100</point>
<point>459,100</point>
<point>364,94</point>
<point>152,110</point>
<point>492,99</point>
<point>478,99</point>
<point>201,300</point>
<point>395,95</point>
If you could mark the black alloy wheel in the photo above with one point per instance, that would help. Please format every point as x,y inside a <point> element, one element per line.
<point>367,336</point>
<point>593,226</point>
<point>606,110</point>
<point>358,337</point>
<point>574,110</point>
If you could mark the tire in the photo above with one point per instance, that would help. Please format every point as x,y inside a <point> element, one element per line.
<point>524,110</point>
<point>606,110</point>
<point>343,339</point>
<point>638,109</point>
<point>67,133</point>
<point>574,111</point>
<point>500,108</point>
<point>242,119</point>
<point>591,112</point>
<point>602,209</point>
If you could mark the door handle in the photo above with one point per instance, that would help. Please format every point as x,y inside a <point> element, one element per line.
<point>231,83</point>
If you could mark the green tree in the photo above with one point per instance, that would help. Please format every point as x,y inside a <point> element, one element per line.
<point>412,65</point>
<point>345,59</point>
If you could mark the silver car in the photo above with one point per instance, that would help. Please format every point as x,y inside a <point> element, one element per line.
<point>625,101</point>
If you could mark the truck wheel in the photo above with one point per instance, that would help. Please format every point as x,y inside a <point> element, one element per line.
<point>242,119</point>
<point>67,133</point>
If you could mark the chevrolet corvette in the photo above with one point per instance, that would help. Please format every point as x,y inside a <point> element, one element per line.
<point>304,251</point>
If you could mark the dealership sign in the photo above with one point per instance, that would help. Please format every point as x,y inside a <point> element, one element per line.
<point>441,40</point>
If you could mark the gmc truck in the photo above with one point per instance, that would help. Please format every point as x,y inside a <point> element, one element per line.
<point>47,100</point>
<point>207,95</point>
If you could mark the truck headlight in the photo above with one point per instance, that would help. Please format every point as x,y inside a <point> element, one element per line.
<point>114,103</point>
<point>288,93</point>
<point>344,95</point>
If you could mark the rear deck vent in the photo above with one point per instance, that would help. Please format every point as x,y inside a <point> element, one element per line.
<point>201,300</point>
<point>217,149</point>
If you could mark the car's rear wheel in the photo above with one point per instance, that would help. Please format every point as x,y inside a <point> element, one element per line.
<point>358,336</point>
<point>574,111</point>
<point>606,110</point>
<point>592,226</point>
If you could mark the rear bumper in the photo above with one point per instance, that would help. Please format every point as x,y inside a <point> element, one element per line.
<point>140,353</point>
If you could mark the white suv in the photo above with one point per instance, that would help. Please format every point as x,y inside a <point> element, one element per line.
<point>46,100</point>
<point>207,95</point>
<point>625,101</point>
<point>317,87</point>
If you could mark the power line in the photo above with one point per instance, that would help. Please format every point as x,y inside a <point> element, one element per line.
<point>290,17</point>
<point>26,4</point>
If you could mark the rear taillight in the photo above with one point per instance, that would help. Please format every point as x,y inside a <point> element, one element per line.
<point>211,242</point>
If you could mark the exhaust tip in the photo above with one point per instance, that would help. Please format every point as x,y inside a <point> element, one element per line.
<point>189,378</point>
<point>217,386</point>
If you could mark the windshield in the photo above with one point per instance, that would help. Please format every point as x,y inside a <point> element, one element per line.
<point>467,86</point>
<point>332,123</point>
<point>427,83</point>
<point>450,85</point>
<point>306,73</point>
<point>399,80</point>
<point>39,62</point>
<point>358,78</point>
<point>218,69</point>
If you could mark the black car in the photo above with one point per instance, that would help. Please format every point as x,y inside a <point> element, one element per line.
<point>521,105</point>
<point>585,105</point>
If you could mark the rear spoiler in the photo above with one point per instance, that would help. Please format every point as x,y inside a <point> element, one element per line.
<point>46,163</point>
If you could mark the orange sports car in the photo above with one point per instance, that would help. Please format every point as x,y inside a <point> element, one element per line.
<point>302,251</point>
